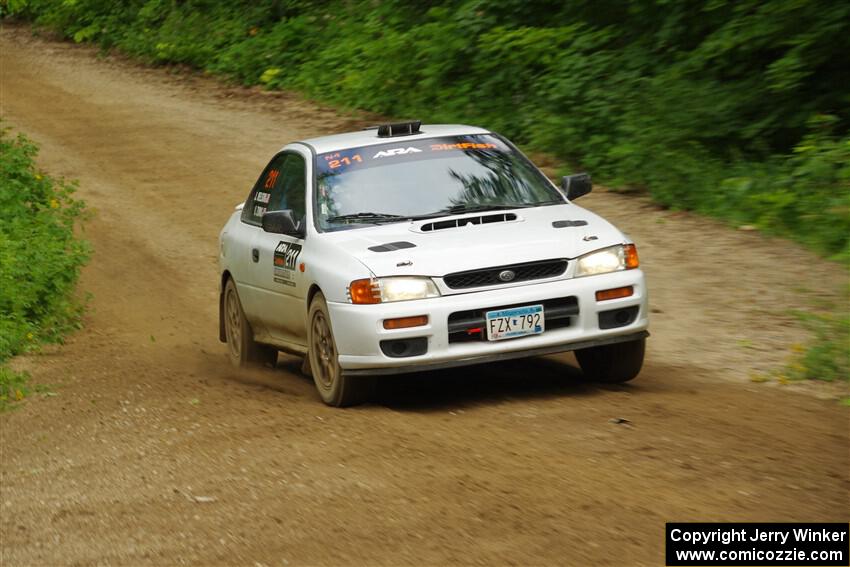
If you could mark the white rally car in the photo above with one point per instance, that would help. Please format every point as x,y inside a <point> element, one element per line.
<point>413,247</point>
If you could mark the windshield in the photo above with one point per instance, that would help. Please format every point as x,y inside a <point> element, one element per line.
<point>407,179</point>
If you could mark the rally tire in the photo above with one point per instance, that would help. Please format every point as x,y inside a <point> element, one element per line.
<point>242,349</point>
<point>334,387</point>
<point>613,364</point>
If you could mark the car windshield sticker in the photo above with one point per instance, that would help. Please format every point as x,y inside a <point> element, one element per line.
<point>261,197</point>
<point>335,160</point>
<point>333,163</point>
<point>285,258</point>
<point>462,146</point>
<point>396,152</point>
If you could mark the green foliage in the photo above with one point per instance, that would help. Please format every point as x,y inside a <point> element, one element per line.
<point>40,257</point>
<point>712,105</point>
<point>806,194</point>
<point>13,387</point>
<point>827,356</point>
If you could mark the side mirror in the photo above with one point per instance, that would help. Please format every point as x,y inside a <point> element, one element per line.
<point>574,186</point>
<point>280,222</point>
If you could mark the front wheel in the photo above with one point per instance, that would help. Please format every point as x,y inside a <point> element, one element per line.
<point>334,387</point>
<point>616,363</point>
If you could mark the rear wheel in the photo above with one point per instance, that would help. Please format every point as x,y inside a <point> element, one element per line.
<point>241,347</point>
<point>616,363</point>
<point>334,387</point>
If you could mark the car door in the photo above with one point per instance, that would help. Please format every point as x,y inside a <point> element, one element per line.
<point>278,276</point>
<point>241,244</point>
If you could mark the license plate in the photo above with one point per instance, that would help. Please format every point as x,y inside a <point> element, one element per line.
<point>516,322</point>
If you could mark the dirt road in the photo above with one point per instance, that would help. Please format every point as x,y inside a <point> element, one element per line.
<point>155,452</point>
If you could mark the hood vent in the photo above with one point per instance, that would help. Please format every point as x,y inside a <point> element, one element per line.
<point>391,246</point>
<point>568,223</point>
<point>455,223</point>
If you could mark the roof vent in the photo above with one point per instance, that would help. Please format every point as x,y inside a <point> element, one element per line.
<point>399,129</point>
<point>454,223</point>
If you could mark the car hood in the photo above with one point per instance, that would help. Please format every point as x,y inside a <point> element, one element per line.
<point>532,236</point>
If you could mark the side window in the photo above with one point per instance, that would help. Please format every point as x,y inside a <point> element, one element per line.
<point>291,188</point>
<point>283,185</point>
<point>258,201</point>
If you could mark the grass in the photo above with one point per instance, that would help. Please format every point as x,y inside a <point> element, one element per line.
<point>827,354</point>
<point>14,387</point>
<point>40,260</point>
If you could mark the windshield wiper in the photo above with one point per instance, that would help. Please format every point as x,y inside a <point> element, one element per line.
<point>375,218</point>
<point>367,217</point>
<point>471,208</point>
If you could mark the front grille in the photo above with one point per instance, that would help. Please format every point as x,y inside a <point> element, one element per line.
<point>522,272</point>
<point>466,326</point>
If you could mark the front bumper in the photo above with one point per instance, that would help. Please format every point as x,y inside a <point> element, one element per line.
<point>358,329</point>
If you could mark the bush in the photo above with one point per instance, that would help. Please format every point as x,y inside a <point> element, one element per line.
<point>13,387</point>
<point>827,356</point>
<point>806,195</point>
<point>707,105</point>
<point>40,257</point>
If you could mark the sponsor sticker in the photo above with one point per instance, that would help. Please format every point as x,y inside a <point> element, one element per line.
<point>462,146</point>
<point>338,162</point>
<point>396,152</point>
<point>285,259</point>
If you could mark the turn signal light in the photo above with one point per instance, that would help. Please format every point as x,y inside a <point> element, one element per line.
<point>631,257</point>
<point>615,293</point>
<point>406,322</point>
<point>364,291</point>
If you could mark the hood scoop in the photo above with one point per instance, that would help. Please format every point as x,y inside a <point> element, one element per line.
<point>456,223</point>
<point>392,246</point>
<point>568,223</point>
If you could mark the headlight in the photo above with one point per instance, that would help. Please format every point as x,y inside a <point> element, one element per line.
<point>402,289</point>
<point>613,259</point>
<point>385,290</point>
